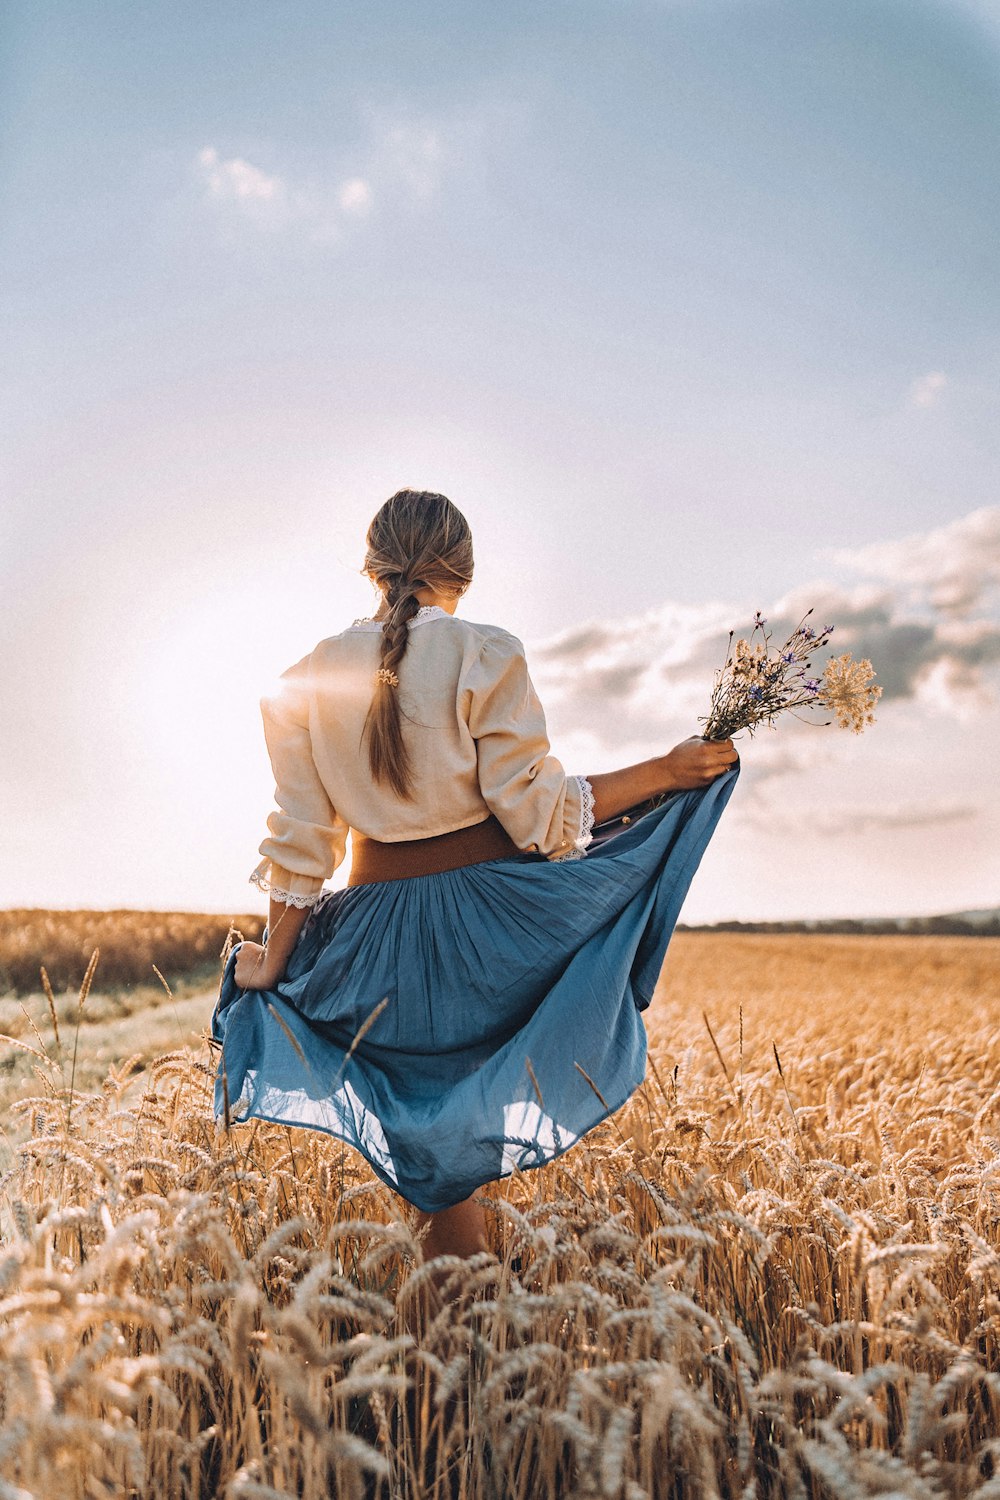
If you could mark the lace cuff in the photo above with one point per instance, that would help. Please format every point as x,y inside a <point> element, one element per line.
<point>262,878</point>
<point>586,813</point>
<point>578,848</point>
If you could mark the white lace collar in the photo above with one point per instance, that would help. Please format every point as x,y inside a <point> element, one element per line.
<point>424,613</point>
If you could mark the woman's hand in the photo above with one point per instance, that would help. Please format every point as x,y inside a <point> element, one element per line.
<point>696,762</point>
<point>254,970</point>
<point>260,968</point>
<point>692,764</point>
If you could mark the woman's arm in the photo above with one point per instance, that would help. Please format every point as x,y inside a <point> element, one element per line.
<point>523,784</point>
<point>691,764</point>
<point>307,838</point>
<point>526,788</point>
<point>260,968</point>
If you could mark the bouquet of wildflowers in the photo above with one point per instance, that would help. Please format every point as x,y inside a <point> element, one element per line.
<point>758,682</point>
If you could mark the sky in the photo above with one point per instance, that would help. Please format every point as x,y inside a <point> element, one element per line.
<point>692,306</point>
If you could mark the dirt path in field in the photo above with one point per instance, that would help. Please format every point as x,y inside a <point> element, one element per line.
<point>162,1028</point>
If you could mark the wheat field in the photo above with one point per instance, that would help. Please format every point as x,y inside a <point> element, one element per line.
<point>775,1272</point>
<point>179,943</point>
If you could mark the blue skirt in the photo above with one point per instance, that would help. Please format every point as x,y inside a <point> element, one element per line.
<point>456,1027</point>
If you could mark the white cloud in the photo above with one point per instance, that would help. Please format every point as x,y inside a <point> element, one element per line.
<point>924,623</point>
<point>641,669</point>
<point>355,197</point>
<point>848,819</point>
<point>903,819</point>
<point>955,566</point>
<point>401,163</point>
<point>926,389</point>
<point>235,178</point>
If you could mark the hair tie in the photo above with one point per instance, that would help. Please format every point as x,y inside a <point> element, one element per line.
<point>384,674</point>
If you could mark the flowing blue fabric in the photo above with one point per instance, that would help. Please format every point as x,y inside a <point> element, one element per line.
<point>456,1027</point>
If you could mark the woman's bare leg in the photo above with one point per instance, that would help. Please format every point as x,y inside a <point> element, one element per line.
<point>459,1230</point>
<point>420,1415</point>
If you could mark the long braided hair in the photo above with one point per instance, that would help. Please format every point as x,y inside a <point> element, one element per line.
<point>417,540</point>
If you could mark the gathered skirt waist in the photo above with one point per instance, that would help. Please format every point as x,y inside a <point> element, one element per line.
<point>373,861</point>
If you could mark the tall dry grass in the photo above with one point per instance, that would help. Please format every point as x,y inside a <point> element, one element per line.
<point>776,1272</point>
<point>130,943</point>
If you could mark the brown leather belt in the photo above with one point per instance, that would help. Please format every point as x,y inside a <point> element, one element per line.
<point>373,861</point>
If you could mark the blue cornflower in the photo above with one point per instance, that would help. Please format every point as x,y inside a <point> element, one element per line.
<point>788,656</point>
<point>812,684</point>
<point>755,693</point>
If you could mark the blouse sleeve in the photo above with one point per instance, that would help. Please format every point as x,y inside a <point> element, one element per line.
<point>307,839</point>
<point>524,786</point>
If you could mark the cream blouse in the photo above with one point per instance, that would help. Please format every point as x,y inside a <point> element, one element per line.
<point>476,735</point>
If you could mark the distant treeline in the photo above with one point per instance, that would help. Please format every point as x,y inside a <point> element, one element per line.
<point>180,944</point>
<point>867,927</point>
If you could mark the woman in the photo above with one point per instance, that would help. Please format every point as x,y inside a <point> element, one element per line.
<point>470,1004</point>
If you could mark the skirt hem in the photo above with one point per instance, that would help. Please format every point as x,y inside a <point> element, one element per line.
<point>387,1180</point>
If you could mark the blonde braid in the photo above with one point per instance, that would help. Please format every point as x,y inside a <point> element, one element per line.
<point>388,756</point>
<point>417,540</point>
